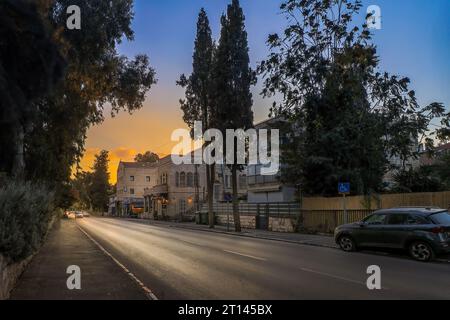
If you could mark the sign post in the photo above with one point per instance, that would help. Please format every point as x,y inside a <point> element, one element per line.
<point>344,189</point>
<point>228,199</point>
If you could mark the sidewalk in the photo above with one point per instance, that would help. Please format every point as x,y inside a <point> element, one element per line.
<point>307,239</point>
<point>101,279</point>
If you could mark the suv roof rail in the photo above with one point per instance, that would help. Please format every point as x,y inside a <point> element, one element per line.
<point>418,207</point>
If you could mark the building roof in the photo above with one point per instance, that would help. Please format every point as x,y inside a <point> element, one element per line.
<point>138,165</point>
<point>268,122</point>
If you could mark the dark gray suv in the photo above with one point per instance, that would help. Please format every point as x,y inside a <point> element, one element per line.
<point>424,232</point>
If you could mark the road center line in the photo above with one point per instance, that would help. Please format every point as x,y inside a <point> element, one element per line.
<point>245,255</point>
<point>332,276</point>
<point>149,294</point>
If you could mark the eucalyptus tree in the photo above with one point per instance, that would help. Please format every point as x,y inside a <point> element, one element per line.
<point>98,80</point>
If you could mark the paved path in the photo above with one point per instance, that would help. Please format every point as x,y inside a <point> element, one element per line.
<point>101,278</point>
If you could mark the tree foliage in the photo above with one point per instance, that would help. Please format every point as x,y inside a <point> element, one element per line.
<point>56,83</point>
<point>427,178</point>
<point>147,157</point>
<point>81,185</point>
<point>97,79</point>
<point>349,116</point>
<point>443,169</point>
<point>422,179</point>
<point>99,187</point>
<point>197,105</point>
<point>232,79</point>
<point>30,66</point>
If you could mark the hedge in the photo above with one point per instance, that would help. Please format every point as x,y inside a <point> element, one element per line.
<point>26,210</point>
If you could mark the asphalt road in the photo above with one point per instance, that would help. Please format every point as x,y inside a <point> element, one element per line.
<point>186,264</point>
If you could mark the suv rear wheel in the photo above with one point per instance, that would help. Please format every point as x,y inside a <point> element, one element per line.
<point>421,251</point>
<point>347,243</point>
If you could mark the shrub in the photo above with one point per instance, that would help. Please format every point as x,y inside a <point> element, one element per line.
<point>26,210</point>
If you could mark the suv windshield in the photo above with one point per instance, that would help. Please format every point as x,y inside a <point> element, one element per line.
<point>441,218</point>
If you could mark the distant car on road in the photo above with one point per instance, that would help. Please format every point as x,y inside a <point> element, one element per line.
<point>423,232</point>
<point>79,215</point>
<point>69,215</point>
<point>86,214</point>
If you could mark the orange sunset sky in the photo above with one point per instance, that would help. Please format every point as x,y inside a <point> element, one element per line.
<point>147,129</point>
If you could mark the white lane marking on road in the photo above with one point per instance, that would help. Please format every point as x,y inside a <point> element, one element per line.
<point>189,242</point>
<point>149,294</point>
<point>336,277</point>
<point>245,255</point>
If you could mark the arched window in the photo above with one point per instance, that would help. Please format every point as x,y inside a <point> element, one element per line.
<point>182,180</point>
<point>177,179</point>
<point>190,180</point>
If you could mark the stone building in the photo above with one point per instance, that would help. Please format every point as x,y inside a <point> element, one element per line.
<point>269,188</point>
<point>180,190</point>
<point>133,179</point>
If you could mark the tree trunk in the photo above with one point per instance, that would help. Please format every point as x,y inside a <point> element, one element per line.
<point>210,177</point>
<point>236,216</point>
<point>18,170</point>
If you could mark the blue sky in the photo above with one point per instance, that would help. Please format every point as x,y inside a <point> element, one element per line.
<point>414,41</point>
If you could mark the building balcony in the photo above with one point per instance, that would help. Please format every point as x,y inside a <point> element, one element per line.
<point>157,190</point>
<point>260,179</point>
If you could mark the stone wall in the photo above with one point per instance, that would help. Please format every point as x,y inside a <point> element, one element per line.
<point>282,224</point>
<point>247,221</point>
<point>9,274</point>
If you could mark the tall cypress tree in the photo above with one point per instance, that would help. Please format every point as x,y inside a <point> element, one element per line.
<point>232,80</point>
<point>99,188</point>
<point>196,105</point>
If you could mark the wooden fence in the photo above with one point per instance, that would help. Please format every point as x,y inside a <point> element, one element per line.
<point>383,201</point>
<point>325,221</point>
<point>325,214</point>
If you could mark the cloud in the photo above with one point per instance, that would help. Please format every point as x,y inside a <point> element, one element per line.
<point>126,154</point>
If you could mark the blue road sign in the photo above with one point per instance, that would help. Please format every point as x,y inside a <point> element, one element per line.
<point>344,188</point>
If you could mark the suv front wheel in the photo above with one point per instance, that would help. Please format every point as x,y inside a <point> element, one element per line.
<point>347,243</point>
<point>421,251</point>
